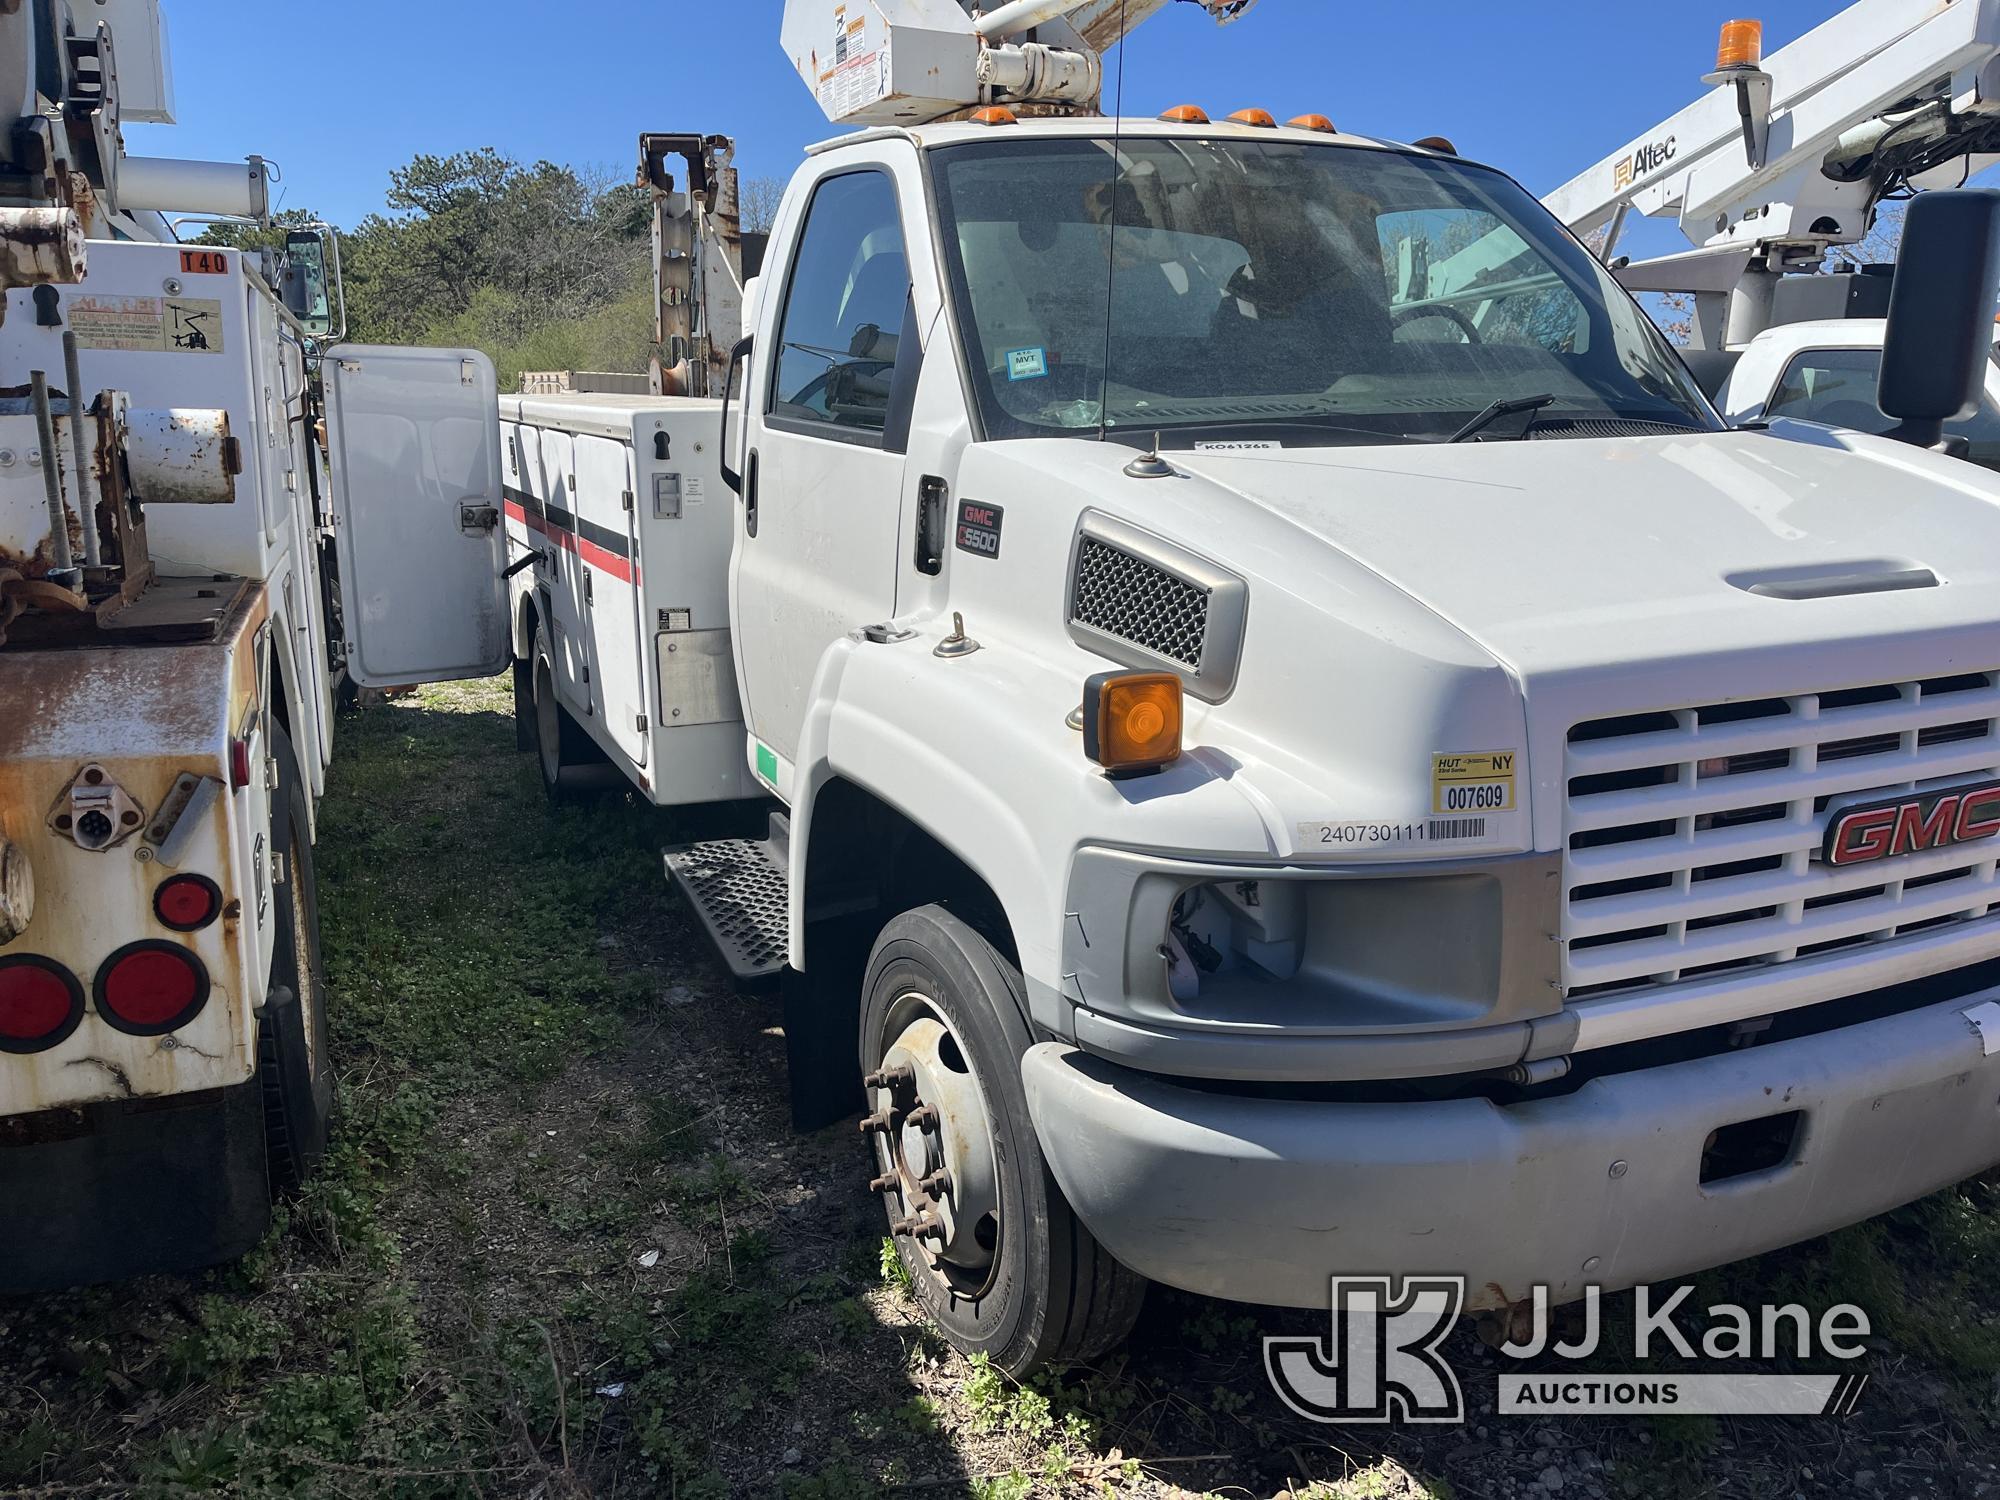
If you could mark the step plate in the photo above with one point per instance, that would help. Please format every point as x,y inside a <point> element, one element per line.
<point>739,890</point>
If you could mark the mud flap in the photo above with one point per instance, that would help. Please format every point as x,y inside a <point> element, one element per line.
<point>121,1189</point>
<point>524,704</point>
<point>823,1027</point>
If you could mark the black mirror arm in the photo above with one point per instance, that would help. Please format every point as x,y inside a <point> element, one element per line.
<point>1919,432</point>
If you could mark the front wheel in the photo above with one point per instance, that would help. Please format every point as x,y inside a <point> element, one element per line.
<point>994,1252</point>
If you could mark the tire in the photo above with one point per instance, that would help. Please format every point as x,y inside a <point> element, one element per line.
<point>295,1050</point>
<point>940,1001</point>
<point>571,766</point>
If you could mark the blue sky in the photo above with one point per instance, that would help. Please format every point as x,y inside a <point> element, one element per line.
<point>340,94</point>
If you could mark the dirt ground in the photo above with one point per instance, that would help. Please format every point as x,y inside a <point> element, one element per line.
<point>566,1245</point>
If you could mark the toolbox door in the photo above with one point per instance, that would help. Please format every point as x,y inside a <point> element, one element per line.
<point>413,440</point>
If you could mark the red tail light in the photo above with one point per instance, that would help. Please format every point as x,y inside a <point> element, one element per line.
<point>187,903</point>
<point>41,1003</point>
<point>150,988</point>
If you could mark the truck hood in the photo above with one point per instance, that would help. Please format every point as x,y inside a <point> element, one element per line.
<point>1557,556</point>
<point>1406,603</point>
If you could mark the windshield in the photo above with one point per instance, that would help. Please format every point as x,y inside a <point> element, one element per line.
<point>1249,291</point>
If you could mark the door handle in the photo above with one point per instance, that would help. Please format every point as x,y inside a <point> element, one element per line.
<point>932,492</point>
<point>750,494</point>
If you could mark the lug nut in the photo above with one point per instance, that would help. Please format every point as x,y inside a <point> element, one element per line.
<point>891,1078</point>
<point>923,1117</point>
<point>886,1183</point>
<point>937,1185</point>
<point>931,1229</point>
<point>875,1124</point>
<point>903,1226</point>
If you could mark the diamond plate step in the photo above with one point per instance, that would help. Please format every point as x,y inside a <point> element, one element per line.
<point>739,889</point>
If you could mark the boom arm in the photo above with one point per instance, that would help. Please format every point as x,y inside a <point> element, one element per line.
<point>907,62</point>
<point>1779,163</point>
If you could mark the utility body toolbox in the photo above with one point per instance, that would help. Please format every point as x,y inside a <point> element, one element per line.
<point>620,525</point>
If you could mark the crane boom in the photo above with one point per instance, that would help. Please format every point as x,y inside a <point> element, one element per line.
<point>1790,156</point>
<point>1793,157</point>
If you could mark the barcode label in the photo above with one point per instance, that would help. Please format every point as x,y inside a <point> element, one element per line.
<point>1458,828</point>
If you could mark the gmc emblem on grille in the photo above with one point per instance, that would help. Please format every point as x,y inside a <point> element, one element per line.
<point>1910,825</point>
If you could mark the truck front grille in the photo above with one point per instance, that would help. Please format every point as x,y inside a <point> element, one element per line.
<point>1690,833</point>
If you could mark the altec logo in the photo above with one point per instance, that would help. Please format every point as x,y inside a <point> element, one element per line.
<point>1911,824</point>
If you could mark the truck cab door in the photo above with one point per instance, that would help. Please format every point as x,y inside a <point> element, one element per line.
<point>827,406</point>
<point>413,439</point>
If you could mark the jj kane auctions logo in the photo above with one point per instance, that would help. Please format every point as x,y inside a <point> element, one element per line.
<point>1382,1359</point>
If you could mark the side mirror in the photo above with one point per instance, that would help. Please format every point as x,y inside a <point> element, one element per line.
<point>1940,329</point>
<point>305,290</point>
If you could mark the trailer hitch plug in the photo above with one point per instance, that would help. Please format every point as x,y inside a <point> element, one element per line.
<point>95,812</point>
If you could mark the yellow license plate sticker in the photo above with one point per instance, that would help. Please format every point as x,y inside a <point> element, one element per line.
<point>1478,783</point>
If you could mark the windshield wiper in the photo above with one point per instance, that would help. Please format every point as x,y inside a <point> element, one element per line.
<point>1499,409</point>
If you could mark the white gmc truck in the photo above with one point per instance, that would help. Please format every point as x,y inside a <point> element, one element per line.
<point>1276,773</point>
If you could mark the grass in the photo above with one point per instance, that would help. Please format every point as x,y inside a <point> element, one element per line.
<point>565,1245</point>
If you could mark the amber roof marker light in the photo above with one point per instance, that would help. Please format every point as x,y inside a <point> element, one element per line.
<point>1319,123</point>
<point>1258,118</point>
<point>1741,46</point>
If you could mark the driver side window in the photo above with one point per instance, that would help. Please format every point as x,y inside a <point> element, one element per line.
<point>843,313</point>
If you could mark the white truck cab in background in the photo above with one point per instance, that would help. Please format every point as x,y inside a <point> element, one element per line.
<point>1827,370</point>
<point>1280,764</point>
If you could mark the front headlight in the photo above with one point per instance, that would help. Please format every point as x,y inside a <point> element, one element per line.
<point>1407,948</point>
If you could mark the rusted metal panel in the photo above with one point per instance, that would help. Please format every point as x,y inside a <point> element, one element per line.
<point>145,719</point>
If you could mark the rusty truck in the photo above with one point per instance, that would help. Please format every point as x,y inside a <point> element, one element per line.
<point>170,657</point>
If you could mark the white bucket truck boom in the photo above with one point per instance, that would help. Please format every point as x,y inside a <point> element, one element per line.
<point>169,658</point>
<point>1278,764</point>
<point>1787,159</point>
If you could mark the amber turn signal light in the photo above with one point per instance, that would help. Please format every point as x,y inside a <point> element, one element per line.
<point>1132,721</point>
<point>1742,45</point>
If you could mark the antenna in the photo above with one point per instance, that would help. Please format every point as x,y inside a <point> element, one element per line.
<point>1111,240</point>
